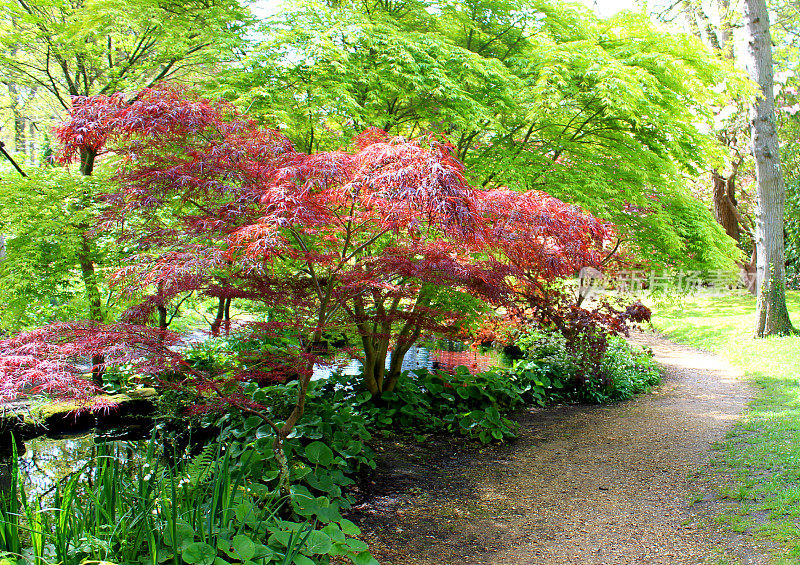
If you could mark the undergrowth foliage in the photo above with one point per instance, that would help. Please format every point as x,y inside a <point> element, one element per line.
<point>620,372</point>
<point>586,329</point>
<point>213,508</point>
<point>428,402</point>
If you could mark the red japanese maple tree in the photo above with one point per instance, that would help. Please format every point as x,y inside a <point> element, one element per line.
<point>386,240</point>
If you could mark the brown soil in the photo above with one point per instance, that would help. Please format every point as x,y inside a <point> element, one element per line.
<point>601,485</point>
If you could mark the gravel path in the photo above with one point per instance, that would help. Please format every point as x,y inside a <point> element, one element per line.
<point>601,485</point>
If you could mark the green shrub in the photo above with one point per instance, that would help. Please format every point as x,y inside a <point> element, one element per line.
<point>437,402</point>
<point>629,371</point>
<point>326,451</point>
<point>212,509</point>
<point>547,361</point>
<point>622,372</point>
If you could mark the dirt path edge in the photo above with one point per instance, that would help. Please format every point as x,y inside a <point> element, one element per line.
<point>629,483</point>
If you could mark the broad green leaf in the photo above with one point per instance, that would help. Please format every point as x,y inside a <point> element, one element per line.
<point>243,547</point>
<point>318,542</point>
<point>319,453</point>
<point>184,534</point>
<point>199,553</point>
<point>364,558</point>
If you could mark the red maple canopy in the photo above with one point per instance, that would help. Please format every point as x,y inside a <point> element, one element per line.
<point>385,240</point>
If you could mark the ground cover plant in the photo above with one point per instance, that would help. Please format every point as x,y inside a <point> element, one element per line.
<point>762,451</point>
<point>213,508</point>
<point>621,370</point>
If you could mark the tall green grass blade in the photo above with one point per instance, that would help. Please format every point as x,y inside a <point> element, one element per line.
<point>10,506</point>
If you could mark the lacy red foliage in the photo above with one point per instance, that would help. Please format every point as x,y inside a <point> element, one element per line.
<point>52,360</point>
<point>369,136</point>
<point>541,236</point>
<point>92,121</point>
<point>388,241</point>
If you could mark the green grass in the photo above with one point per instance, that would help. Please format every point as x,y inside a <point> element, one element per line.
<point>762,452</point>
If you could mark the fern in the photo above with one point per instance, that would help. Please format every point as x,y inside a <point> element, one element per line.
<point>201,467</point>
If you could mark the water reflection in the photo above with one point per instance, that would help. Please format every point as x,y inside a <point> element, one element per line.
<point>45,462</point>
<point>446,359</point>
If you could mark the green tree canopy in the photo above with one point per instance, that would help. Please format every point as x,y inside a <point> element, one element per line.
<point>45,219</point>
<point>90,47</point>
<point>534,94</point>
<point>58,50</point>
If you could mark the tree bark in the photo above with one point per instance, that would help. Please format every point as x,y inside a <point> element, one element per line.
<point>32,143</point>
<point>86,261</point>
<point>772,316</point>
<point>87,161</point>
<point>726,28</point>
<point>218,319</point>
<point>161,308</point>
<point>228,316</point>
<point>19,121</point>
<point>95,301</point>
<point>725,202</point>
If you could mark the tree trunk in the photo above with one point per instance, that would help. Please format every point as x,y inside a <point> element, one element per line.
<point>228,316</point>
<point>86,261</point>
<point>377,378</point>
<point>772,317</point>
<point>32,143</point>
<point>87,161</point>
<point>373,375</point>
<point>163,322</point>
<point>748,272</point>
<point>217,323</point>
<point>161,308</point>
<point>94,298</point>
<point>90,280</point>
<point>724,201</point>
<point>374,366</point>
<point>396,366</point>
<point>726,28</point>
<point>19,123</point>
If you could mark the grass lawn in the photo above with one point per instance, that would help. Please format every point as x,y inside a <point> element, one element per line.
<point>763,451</point>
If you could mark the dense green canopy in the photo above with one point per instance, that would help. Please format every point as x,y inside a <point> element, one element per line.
<point>534,94</point>
<point>105,46</point>
<point>44,220</point>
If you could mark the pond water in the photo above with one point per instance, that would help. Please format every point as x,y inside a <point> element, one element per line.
<point>453,354</point>
<point>46,461</point>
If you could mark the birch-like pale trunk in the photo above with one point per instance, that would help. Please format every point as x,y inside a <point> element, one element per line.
<point>772,317</point>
